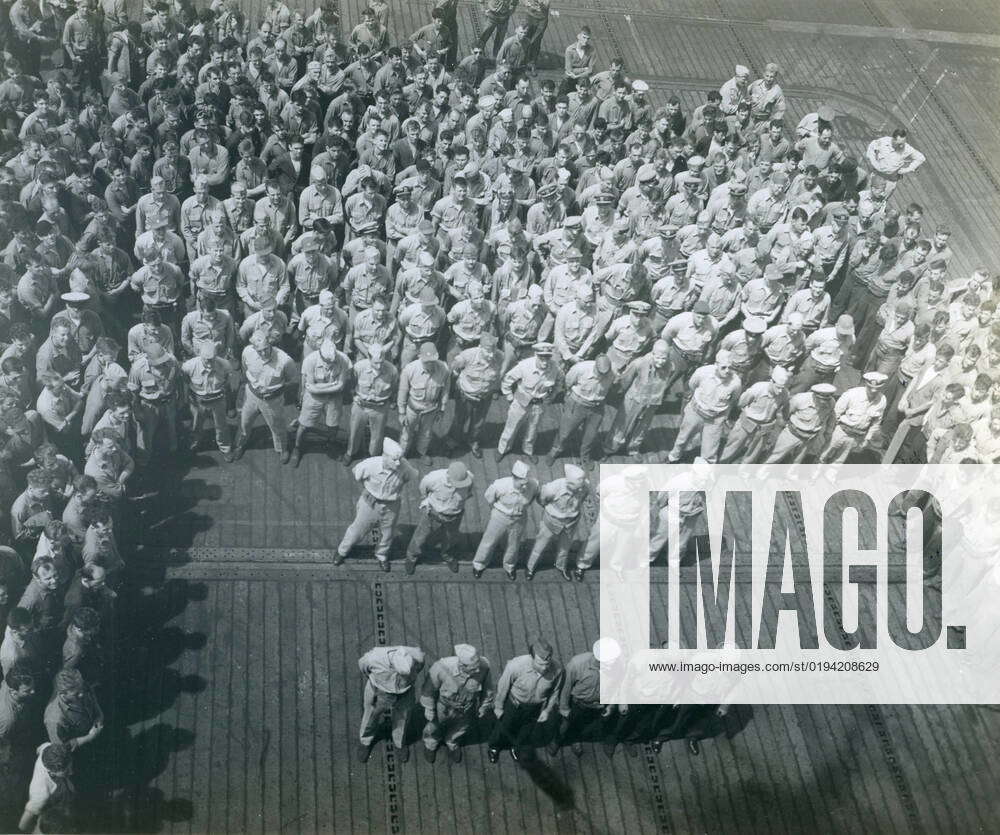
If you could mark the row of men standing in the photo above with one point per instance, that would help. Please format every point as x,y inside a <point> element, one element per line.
<point>458,698</point>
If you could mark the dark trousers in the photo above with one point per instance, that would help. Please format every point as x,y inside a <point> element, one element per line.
<point>809,375</point>
<point>577,413</point>
<point>643,723</point>
<point>536,31</point>
<point>450,20</point>
<point>692,722</point>
<point>470,416</point>
<point>430,525</point>
<point>516,727</point>
<point>583,722</point>
<point>496,26</point>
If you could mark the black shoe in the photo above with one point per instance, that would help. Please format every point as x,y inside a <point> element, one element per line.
<point>239,449</point>
<point>339,559</point>
<point>577,749</point>
<point>494,755</point>
<point>511,574</point>
<point>195,444</point>
<point>530,575</point>
<point>694,747</point>
<point>286,456</point>
<point>455,755</point>
<point>566,575</point>
<point>552,748</point>
<point>346,459</point>
<point>578,574</point>
<point>384,565</point>
<point>403,754</point>
<point>228,456</point>
<point>411,566</point>
<point>296,457</point>
<point>550,459</point>
<point>452,564</point>
<point>587,462</point>
<point>477,572</point>
<point>501,455</point>
<point>364,752</point>
<point>477,452</point>
<point>430,755</point>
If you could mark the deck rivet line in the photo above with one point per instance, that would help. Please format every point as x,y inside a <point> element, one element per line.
<point>477,21</point>
<point>610,31</point>
<point>747,53</point>
<point>875,713</point>
<point>656,783</point>
<point>391,782</point>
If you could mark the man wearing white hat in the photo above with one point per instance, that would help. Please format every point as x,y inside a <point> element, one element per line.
<point>562,500</point>
<point>734,91</point>
<point>207,377</point>
<point>422,398</point>
<point>457,691</point>
<point>528,386</point>
<point>580,708</point>
<point>714,390</point>
<point>325,374</point>
<point>810,423</point>
<point>444,494</point>
<point>509,499</point>
<point>375,380</point>
<point>624,497</point>
<point>859,412</point>
<point>477,371</point>
<point>644,383</point>
<point>268,372</point>
<point>690,487</point>
<point>761,407</point>
<point>588,384</point>
<point>390,675</point>
<point>383,478</point>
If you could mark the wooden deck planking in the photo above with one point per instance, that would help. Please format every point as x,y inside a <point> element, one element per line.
<point>787,769</point>
<point>310,744</point>
<point>237,692</point>
<point>791,768</point>
<point>218,707</point>
<point>255,731</point>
